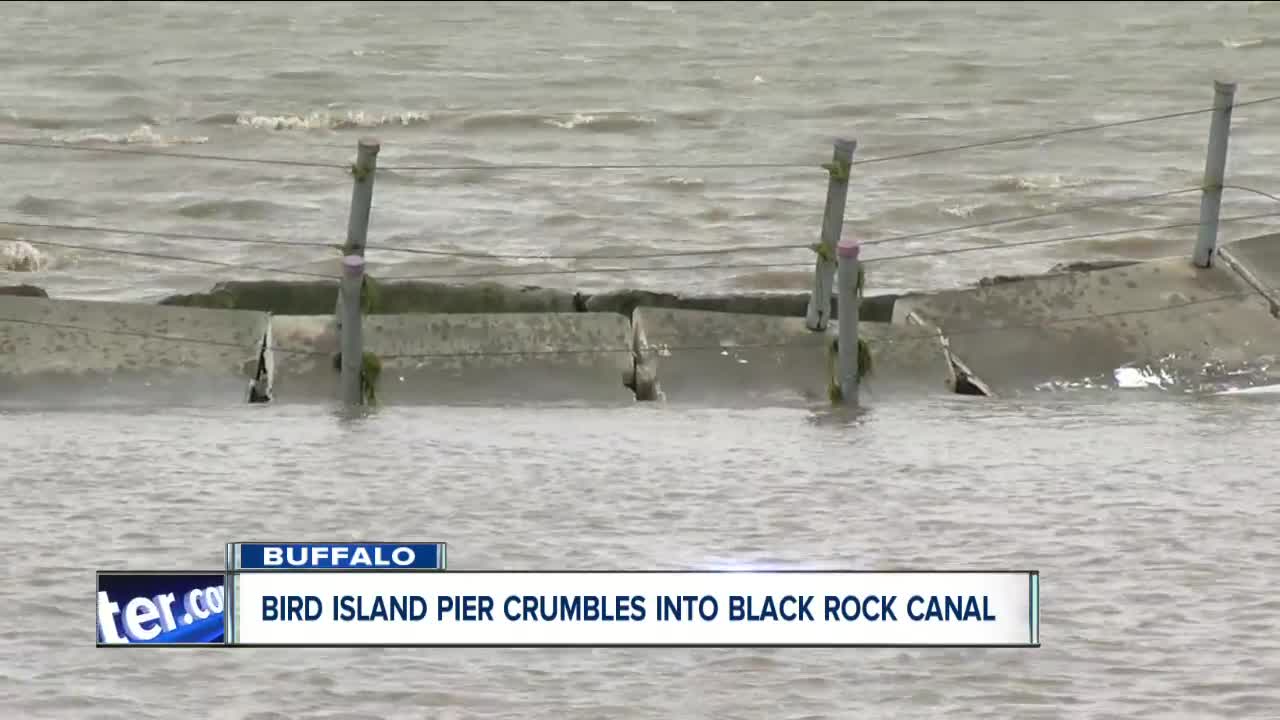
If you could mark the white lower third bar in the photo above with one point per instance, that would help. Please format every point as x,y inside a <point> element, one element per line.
<point>628,609</point>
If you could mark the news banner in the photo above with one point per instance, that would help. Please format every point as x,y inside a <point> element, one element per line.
<point>400,594</point>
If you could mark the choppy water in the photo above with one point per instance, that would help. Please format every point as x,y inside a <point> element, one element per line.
<point>1155,540</point>
<point>639,83</point>
<point>1147,514</point>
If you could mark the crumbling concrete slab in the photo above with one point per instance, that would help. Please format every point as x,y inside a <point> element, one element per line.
<point>1166,313</point>
<point>24,291</point>
<point>317,297</point>
<point>1257,261</point>
<point>703,356</point>
<point>464,358</point>
<point>69,348</point>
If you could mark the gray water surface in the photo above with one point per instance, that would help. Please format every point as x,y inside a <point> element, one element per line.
<point>1149,519</point>
<point>1149,516</point>
<point>644,83</point>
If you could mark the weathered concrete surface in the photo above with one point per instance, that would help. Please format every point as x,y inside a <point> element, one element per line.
<point>1257,261</point>
<point>1017,335</point>
<point>701,356</point>
<point>73,347</point>
<point>878,308</point>
<point>23,291</point>
<point>1260,254</point>
<point>464,358</point>
<point>319,297</point>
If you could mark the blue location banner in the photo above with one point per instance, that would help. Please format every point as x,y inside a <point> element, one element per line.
<point>345,556</point>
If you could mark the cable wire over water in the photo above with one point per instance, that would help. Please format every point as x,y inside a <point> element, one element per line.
<point>1242,188</point>
<point>166,235</point>
<point>1066,238</point>
<point>737,250</point>
<point>47,145</point>
<point>866,161</point>
<point>613,270</point>
<point>794,265</point>
<point>176,258</point>
<point>1132,199</point>
<point>35,145</point>
<point>1052,133</point>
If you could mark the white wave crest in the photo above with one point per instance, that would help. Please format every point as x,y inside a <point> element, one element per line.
<point>603,122</point>
<point>142,135</point>
<point>22,256</point>
<point>1041,182</point>
<point>962,211</point>
<point>1143,377</point>
<point>331,121</point>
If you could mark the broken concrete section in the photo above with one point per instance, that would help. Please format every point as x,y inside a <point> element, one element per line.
<point>702,356</point>
<point>287,297</point>
<point>1166,313</point>
<point>1257,261</point>
<point>699,356</point>
<point>907,361</point>
<point>66,347</point>
<point>23,291</point>
<point>463,358</point>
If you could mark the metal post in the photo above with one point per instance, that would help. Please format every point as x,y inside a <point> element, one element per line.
<point>819,312</point>
<point>848,299</point>
<point>352,342</point>
<point>361,195</point>
<point>1215,167</point>
<point>361,204</point>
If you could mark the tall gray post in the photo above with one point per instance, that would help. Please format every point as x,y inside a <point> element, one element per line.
<point>1215,168</point>
<point>361,204</point>
<point>361,195</point>
<point>819,312</point>
<point>352,341</point>
<point>848,299</point>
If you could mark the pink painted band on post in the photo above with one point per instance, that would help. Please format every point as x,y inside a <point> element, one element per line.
<point>352,264</point>
<point>848,248</point>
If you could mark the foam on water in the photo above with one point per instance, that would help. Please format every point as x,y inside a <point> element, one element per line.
<point>1260,390</point>
<point>326,120</point>
<point>142,135</point>
<point>22,256</point>
<point>1143,377</point>
<point>1244,44</point>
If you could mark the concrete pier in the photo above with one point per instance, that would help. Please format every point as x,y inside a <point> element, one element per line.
<point>293,297</point>
<point>464,358</point>
<point>491,343</point>
<point>1018,335</point>
<point>69,348</point>
<point>1257,261</point>
<point>699,356</point>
